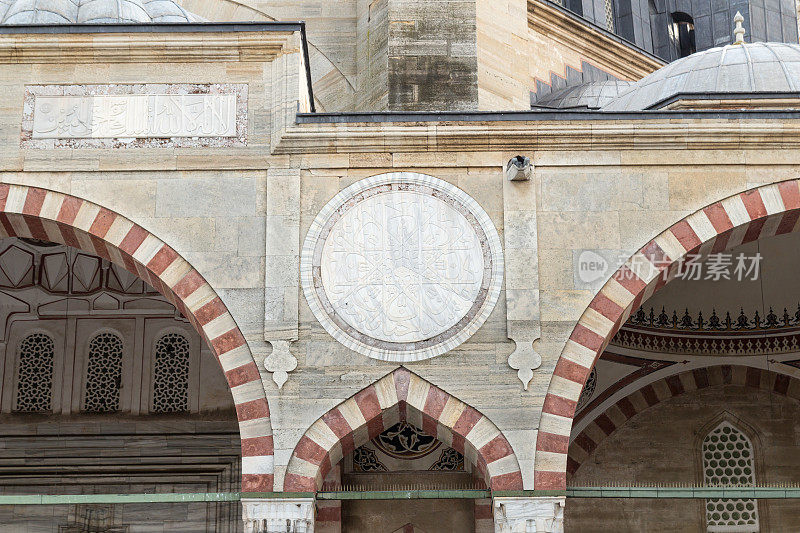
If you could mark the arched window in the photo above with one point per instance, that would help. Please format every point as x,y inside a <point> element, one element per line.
<point>35,373</point>
<point>682,34</point>
<point>728,462</point>
<point>103,374</point>
<point>171,374</point>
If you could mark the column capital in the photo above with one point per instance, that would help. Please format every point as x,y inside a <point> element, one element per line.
<point>278,515</point>
<point>529,515</point>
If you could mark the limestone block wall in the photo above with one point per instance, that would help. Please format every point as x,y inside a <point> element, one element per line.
<point>610,202</point>
<point>662,445</point>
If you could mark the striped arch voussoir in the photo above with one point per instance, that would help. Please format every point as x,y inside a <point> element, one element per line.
<point>31,212</point>
<point>607,423</point>
<point>402,395</point>
<point>763,212</point>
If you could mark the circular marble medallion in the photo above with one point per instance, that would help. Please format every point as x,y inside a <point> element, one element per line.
<point>401,266</point>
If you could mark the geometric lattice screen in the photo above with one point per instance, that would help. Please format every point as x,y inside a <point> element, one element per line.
<point>35,373</point>
<point>103,374</point>
<point>171,374</point>
<point>728,462</point>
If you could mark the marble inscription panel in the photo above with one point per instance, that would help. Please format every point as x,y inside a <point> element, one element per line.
<point>401,266</point>
<point>134,116</point>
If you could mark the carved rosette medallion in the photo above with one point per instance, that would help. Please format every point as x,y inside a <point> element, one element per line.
<point>402,267</point>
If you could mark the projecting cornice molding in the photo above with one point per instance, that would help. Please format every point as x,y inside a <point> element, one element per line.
<point>629,131</point>
<point>596,46</point>
<point>126,45</point>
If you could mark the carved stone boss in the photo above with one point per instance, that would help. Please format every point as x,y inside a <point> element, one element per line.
<point>134,116</point>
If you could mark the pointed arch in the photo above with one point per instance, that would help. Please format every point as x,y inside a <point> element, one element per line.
<point>32,212</point>
<point>765,211</point>
<point>606,423</point>
<point>397,396</point>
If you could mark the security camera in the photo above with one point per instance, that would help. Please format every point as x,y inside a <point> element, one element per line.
<point>519,168</point>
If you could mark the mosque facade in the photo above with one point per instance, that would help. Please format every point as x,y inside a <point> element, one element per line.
<point>399,266</point>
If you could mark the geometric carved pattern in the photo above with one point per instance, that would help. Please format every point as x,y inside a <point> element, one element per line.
<point>171,374</point>
<point>401,266</point>
<point>16,267</point>
<point>45,215</point>
<point>103,374</point>
<point>35,373</point>
<point>402,395</point>
<point>765,211</point>
<point>728,462</point>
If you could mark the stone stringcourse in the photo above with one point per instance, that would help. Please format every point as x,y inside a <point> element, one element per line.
<point>401,266</point>
<point>604,425</point>
<point>34,213</point>
<point>763,212</point>
<point>402,395</point>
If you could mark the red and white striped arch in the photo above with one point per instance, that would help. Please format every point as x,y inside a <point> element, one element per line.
<point>37,213</point>
<point>763,212</point>
<point>402,395</point>
<point>661,390</point>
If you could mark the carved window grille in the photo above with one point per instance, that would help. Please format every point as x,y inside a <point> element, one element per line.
<point>728,462</point>
<point>171,374</point>
<point>35,373</point>
<point>609,5</point>
<point>103,374</point>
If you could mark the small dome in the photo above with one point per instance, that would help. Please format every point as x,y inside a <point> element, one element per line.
<point>591,95</point>
<point>92,12</point>
<point>734,70</point>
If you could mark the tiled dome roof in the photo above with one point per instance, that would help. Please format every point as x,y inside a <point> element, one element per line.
<point>737,68</point>
<point>92,12</point>
<point>592,95</point>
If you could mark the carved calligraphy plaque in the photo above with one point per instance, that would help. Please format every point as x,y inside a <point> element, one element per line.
<point>134,116</point>
<point>402,266</point>
<point>129,116</point>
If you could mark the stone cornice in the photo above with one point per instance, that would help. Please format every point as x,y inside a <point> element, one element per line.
<point>637,132</point>
<point>598,48</point>
<point>152,47</point>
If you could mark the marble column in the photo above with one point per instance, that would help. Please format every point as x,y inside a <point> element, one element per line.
<point>278,515</point>
<point>529,515</point>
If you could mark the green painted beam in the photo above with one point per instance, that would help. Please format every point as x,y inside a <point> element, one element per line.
<point>780,493</point>
<point>171,497</point>
<point>686,492</point>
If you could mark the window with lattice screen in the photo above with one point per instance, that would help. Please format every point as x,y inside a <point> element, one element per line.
<point>609,7</point>
<point>728,462</point>
<point>171,374</point>
<point>35,373</point>
<point>103,374</point>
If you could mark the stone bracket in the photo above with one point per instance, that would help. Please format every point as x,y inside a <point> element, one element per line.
<point>280,362</point>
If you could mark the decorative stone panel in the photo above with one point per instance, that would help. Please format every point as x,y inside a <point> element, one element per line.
<point>134,116</point>
<point>401,267</point>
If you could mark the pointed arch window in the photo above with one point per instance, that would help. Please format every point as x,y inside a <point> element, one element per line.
<point>35,373</point>
<point>103,374</point>
<point>171,374</point>
<point>728,462</point>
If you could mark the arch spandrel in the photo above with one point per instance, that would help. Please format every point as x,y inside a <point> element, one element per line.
<point>765,211</point>
<point>374,409</point>
<point>32,212</point>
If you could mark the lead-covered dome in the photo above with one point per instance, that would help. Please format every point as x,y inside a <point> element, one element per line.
<point>739,73</point>
<point>92,12</point>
